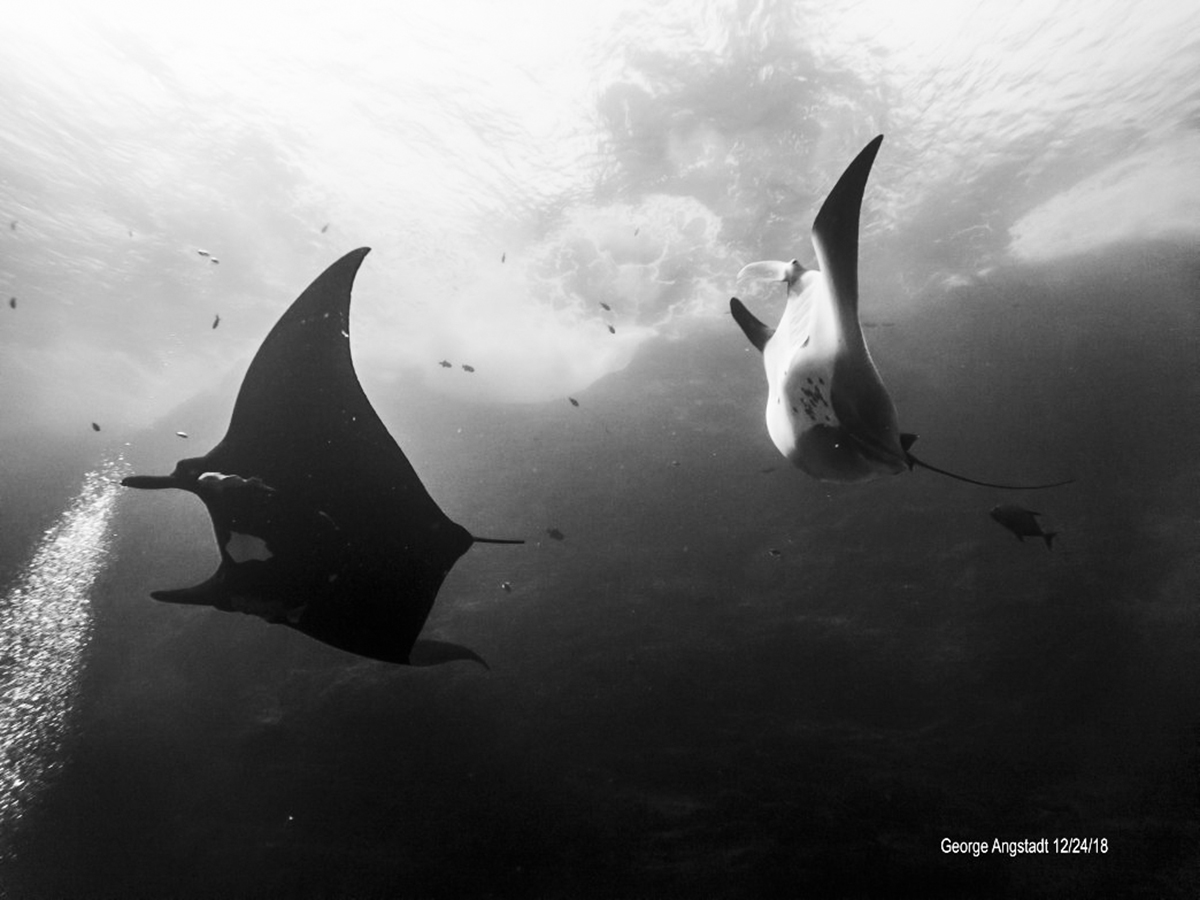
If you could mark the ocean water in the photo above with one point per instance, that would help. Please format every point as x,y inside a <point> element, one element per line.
<point>727,679</point>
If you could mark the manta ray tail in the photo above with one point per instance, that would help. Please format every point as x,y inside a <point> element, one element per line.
<point>913,461</point>
<point>906,441</point>
<point>482,540</point>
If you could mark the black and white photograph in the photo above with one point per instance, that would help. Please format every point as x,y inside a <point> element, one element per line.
<point>615,450</point>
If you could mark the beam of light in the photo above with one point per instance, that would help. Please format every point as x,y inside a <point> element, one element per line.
<point>1144,196</point>
<point>45,623</point>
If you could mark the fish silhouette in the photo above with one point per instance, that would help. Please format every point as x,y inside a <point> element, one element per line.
<point>1022,522</point>
<point>321,522</point>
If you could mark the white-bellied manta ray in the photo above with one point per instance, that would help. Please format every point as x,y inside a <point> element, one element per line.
<point>321,522</point>
<point>828,411</point>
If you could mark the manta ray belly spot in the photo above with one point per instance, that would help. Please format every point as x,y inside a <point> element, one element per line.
<point>799,403</point>
<point>245,547</point>
<point>808,398</point>
<point>807,430</point>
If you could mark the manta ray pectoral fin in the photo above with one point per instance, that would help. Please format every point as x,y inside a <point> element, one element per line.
<point>835,229</point>
<point>774,270</point>
<point>766,269</point>
<point>426,653</point>
<point>756,331</point>
<point>483,540</point>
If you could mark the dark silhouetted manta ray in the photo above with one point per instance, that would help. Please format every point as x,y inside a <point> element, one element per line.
<point>321,522</point>
<point>828,411</point>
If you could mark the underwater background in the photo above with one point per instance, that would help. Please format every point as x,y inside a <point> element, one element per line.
<point>726,679</point>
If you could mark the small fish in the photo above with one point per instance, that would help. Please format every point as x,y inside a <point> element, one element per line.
<point>181,434</point>
<point>324,228</point>
<point>767,470</point>
<point>445,363</point>
<point>636,230</point>
<point>556,534</point>
<point>775,553</point>
<point>217,320</point>
<point>605,306</point>
<point>467,368</point>
<point>213,260</point>
<point>204,253</point>
<point>503,257</point>
<point>12,302</point>
<point>506,586</point>
<point>574,402</point>
<point>1022,522</point>
<point>611,330</point>
<point>13,225</point>
<point>95,427</point>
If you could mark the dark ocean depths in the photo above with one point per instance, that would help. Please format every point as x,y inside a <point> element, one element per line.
<point>727,679</point>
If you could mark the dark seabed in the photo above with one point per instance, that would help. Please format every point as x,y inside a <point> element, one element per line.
<point>727,679</point>
<point>673,711</point>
